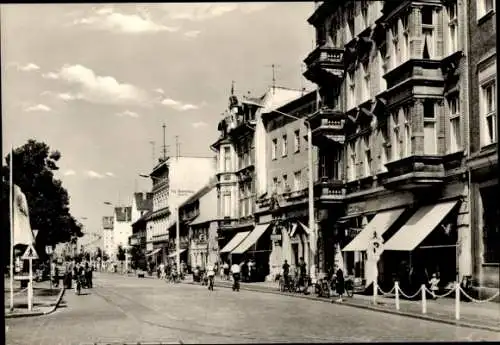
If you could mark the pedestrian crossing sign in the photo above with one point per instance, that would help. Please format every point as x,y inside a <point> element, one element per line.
<point>30,253</point>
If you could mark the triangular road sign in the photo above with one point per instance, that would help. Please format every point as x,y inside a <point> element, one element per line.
<point>30,253</point>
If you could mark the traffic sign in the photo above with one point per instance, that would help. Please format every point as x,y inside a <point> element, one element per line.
<point>30,253</point>
<point>376,246</point>
<point>48,250</point>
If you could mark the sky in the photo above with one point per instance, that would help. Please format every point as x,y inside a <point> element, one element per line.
<point>96,82</point>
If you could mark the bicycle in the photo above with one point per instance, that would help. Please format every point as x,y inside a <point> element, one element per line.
<point>286,285</point>
<point>349,287</point>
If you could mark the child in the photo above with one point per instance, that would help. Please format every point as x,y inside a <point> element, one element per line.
<point>434,285</point>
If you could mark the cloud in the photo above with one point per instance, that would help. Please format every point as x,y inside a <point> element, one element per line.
<point>159,90</point>
<point>93,174</point>
<point>110,174</point>
<point>192,33</point>
<point>67,96</point>
<point>127,113</point>
<point>178,105</point>
<point>200,12</point>
<point>69,172</point>
<point>97,89</point>
<point>38,107</point>
<point>28,67</point>
<point>199,124</point>
<point>109,20</point>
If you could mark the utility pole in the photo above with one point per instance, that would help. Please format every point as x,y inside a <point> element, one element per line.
<point>232,88</point>
<point>164,142</point>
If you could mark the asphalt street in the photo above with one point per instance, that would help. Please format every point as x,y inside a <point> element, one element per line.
<point>128,309</point>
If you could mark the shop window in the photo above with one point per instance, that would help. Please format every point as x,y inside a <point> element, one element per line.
<point>491,229</point>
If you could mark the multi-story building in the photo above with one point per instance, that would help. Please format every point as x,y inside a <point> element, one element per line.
<point>122,226</point>
<point>286,203</point>
<point>174,180</point>
<point>108,240</point>
<point>242,172</point>
<point>482,160</point>
<point>142,206</point>
<point>389,74</point>
<point>199,213</point>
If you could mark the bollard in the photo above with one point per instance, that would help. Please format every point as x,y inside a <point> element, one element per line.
<point>396,289</point>
<point>30,296</point>
<point>457,301</point>
<point>374,292</point>
<point>424,299</point>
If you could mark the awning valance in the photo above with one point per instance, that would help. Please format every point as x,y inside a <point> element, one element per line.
<point>235,241</point>
<point>251,239</point>
<point>174,254</point>
<point>420,225</point>
<point>306,229</point>
<point>154,252</point>
<point>294,229</point>
<point>380,223</point>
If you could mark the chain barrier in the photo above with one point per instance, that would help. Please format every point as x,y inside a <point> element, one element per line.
<point>477,300</point>
<point>386,293</point>
<point>439,296</point>
<point>410,297</point>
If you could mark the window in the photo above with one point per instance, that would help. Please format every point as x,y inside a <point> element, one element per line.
<point>490,226</point>
<point>352,160</point>
<point>452,42</point>
<point>286,187</point>
<point>366,82</point>
<point>484,7</point>
<point>367,155</point>
<point>455,143</point>
<point>297,180</point>
<point>227,205</point>
<point>274,149</point>
<point>275,184</point>
<point>405,46</point>
<point>428,51</point>
<point>350,26</point>
<point>364,13</point>
<point>284,147</point>
<point>296,143</point>
<point>227,159</point>
<point>337,161</point>
<point>395,55</point>
<point>488,110</point>
<point>385,155</point>
<point>306,140</point>
<point>427,16</point>
<point>430,135</point>
<point>407,132</point>
<point>395,154</point>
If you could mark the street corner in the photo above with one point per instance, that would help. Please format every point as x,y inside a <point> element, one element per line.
<point>45,302</point>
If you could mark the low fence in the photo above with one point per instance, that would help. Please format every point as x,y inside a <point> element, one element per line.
<point>423,291</point>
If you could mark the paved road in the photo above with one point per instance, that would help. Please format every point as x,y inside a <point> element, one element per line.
<point>128,309</point>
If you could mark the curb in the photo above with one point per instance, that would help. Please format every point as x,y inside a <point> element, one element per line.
<point>39,313</point>
<point>369,307</point>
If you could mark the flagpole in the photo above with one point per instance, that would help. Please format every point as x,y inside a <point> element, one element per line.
<point>11,202</point>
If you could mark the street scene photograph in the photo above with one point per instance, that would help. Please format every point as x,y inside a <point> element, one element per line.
<point>250,172</point>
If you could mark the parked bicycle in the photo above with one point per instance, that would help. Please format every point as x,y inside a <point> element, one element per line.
<point>326,287</point>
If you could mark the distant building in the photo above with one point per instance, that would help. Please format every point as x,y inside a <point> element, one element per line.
<point>109,247</point>
<point>174,180</point>
<point>122,227</point>
<point>142,206</point>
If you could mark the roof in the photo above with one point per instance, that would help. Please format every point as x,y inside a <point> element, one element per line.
<point>201,192</point>
<point>143,202</point>
<point>143,218</point>
<point>123,214</point>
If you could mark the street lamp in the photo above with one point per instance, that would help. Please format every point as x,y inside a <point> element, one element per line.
<point>312,225</point>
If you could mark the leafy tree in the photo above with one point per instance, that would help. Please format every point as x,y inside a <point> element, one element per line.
<point>48,201</point>
<point>121,253</point>
<point>137,258</point>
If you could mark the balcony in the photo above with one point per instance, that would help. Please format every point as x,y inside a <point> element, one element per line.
<point>419,172</point>
<point>330,191</point>
<point>328,124</point>
<point>325,65</point>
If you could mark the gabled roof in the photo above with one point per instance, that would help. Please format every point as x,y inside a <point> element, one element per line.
<point>204,190</point>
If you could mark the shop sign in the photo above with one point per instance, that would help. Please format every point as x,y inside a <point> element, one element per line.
<point>276,237</point>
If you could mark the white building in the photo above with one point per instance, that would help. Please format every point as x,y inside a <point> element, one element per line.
<point>109,247</point>
<point>122,227</point>
<point>174,181</point>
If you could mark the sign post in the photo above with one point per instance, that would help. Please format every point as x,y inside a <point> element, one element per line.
<point>48,250</point>
<point>375,249</point>
<point>29,255</point>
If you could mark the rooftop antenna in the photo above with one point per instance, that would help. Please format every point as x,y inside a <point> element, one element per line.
<point>177,147</point>
<point>164,142</point>
<point>274,67</point>
<point>153,151</point>
<point>232,87</point>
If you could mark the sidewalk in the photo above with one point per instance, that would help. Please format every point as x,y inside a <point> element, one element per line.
<point>483,316</point>
<point>45,300</point>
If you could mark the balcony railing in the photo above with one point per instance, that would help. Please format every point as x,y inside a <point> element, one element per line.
<point>330,189</point>
<point>323,63</point>
<point>328,123</point>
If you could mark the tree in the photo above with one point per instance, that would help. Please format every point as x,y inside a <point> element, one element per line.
<point>121,253</point>
<point>48,201</point>
<point>98,253</point>
<point>137,258</point>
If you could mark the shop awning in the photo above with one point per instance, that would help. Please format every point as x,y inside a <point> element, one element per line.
<point>306,229</point>
<point>420,225</point>
<point>380,223</point>
<point>235,241</point>
<point>251,239</point>
<point>154,252</point>
<point>174,254</point>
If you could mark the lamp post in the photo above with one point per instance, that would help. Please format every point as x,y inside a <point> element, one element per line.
<point>312,225</point>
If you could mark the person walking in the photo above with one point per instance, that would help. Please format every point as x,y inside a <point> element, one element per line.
<point>211,277</point>
<point>339,284</point>
<point>235,270</point>
<point>88,275</point>
<point>434,282</point>
<point>226,271</point>
<point>302,273</point>
<point>286,273</point>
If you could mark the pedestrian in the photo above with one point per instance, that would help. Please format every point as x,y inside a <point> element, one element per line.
<point>339,286</point>
<point>88,275</point>
<point>161,268</point>
<point>226,271</point>
<point>434,285</point>
<point>235,270</point>
<point>211,276</point>
<point>286,272</point>
<point>302,272</point>
<point>244,271</point>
